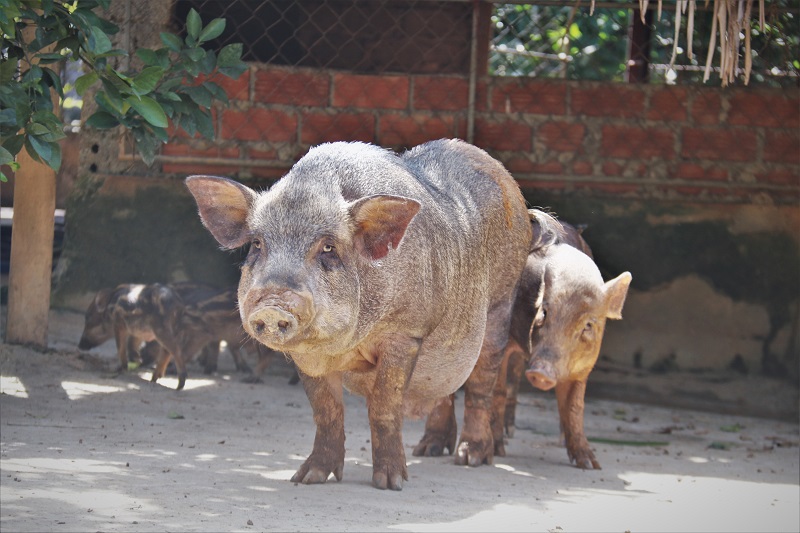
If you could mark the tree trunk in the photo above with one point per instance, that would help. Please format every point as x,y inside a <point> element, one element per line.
<point>31,252</point>
<point>31,261</point>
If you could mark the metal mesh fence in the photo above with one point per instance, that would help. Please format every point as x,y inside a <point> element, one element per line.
<point>401,72</point>
<point>551,39</point>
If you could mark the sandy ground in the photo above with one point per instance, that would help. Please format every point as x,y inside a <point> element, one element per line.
<point>82,449</point>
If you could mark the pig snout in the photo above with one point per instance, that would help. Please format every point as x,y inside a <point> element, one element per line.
<point>541,374</point>
<point>277,320</point>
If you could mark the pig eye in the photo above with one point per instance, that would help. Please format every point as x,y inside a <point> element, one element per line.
<point>588,330</point>
<point>540,316</point>
<point>256,243</point>
<point>329,258</point>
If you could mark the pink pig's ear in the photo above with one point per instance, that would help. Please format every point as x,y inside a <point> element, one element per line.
<point>381,222</point>
<point>223,205</point>
<point>616,291</point>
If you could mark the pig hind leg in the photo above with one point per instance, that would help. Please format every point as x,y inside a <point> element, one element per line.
<point>476,446</point>
<point>440,430</point>
<point>515,369</point>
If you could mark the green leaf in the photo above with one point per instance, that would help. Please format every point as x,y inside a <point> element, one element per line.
<point>5,157</point>
<point>200,95</point>
<point>145,82</point>
<point>47,152</point>
<point>212,31</point>
<point>174,415</point>
<point>195,54</point>
<point>99,42</point>
<point>204,123</point>
<point>50,58</point>
<point>193,24</point>
<point>171,41</point>
<point>14,144</point>
<point>148,57</point>
<point>85,81</point>
<point>55,81</point>
<point>230,56</point>
<point>102,120</point>
<point>150,110</point>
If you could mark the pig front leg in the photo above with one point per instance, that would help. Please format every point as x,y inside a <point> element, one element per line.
<point>570,396</point>
<point>327,456</point>
<point>123,340</point>
<point>441,430</point>
<point>385,406</point>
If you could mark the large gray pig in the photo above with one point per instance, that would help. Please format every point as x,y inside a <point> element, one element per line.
<point>391,275</point>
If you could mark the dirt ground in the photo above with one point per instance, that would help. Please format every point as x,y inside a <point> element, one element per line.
<point>82,449</point>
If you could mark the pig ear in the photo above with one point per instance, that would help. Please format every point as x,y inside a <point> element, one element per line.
<point>545,228</point>
<point>381,222</point>
<point>223,205</point>
<point>102,298</point>
<point>616,291</point>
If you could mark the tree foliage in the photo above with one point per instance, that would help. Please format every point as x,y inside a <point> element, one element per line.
<point>175,83</point>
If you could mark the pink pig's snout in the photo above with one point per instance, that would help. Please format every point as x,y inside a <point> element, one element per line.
<point>276,320</point>
<point>541,374</point>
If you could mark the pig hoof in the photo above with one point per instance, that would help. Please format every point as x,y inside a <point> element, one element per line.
<point>181,381</point>
<point>381,481</point>
<point>465,457</point>
<point>585,461</point>
<point>313,477</point>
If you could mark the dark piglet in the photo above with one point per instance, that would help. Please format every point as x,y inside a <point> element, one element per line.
<point>393,276</point>
<point>557,330</point>
<point>134,314</point>
<point>211,315</point>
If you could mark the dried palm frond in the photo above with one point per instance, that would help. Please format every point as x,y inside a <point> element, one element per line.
<point>731,18</point>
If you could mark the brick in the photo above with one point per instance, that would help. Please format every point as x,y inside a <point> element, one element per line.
<point>519,165</point>
<point>582,168</point>
<point>610,188</point>
<point>408,131</point>
<point>236,89</point>
<point>370,92</point>
<point>612,100</point>
<point>183,150</point>
<point>548,167</point>
<point>258,124</point>
<point>200,167</point>
<point>290,87</point>
<point>630,142</point>
<point>507,135</point>
<point>611,168</point>
<point>255,153</point>
<point>441,93</point>
<point>782,147</point>
<point>719,145</point>
<point>706,108</point>
<point>546,185</point>
<point>691,171</point>
<point>762,108</point>
<point>562,136</point>
<point>668,104</point>
<point>318,128</point>
<point>528,96</point>
<point>780,177</point>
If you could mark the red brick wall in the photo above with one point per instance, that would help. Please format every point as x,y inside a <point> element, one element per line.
<point>711,144</point>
